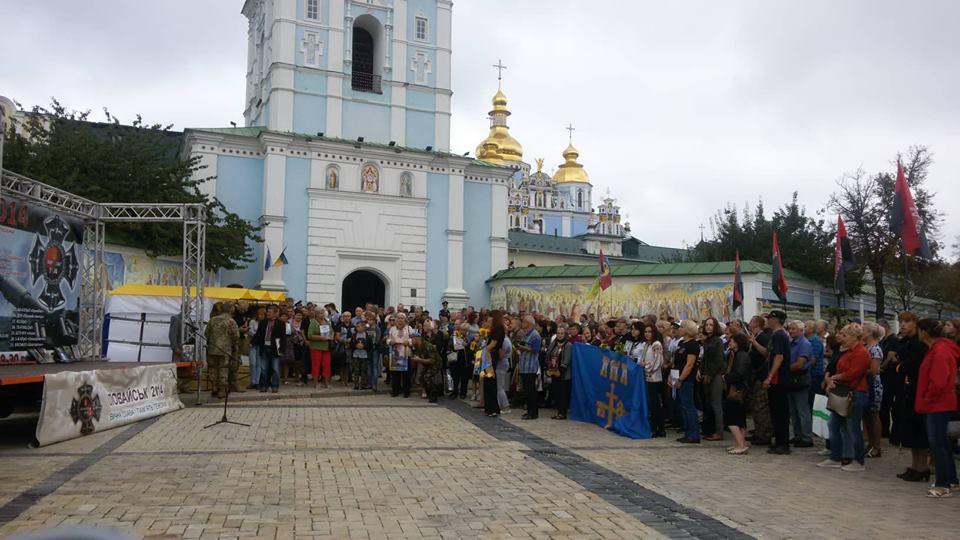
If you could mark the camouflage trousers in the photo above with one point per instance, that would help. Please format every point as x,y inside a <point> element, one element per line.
<point>218,366</point>
<point>760,407</point>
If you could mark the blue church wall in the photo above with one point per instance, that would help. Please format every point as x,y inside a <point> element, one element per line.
<point>578,226</point>
<point>419,129</point>
<point>240,188</point>
<point>296,206</point>
<point>421,100</point>
<point>306,80</point>
<point>366,120</point>
<point>311,113</point>
<point>438,191</point>
<point>551,224</point>
<point>476,241</point>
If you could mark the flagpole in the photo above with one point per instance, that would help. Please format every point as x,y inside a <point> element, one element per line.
<point>906,277</point>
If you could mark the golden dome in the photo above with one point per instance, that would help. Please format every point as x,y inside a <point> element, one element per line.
<point>499,147</point>
<point>571,171</point>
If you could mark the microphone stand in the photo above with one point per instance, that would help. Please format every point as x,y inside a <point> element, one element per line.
<point>226,399</point>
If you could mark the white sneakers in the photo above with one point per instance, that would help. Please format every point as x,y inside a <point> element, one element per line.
<point>830,464</point>
<point>824,452</point>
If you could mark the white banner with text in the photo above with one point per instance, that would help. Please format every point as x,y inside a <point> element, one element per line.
<point>78,403</point>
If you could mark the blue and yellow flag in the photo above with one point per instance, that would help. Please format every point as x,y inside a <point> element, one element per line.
<point>267,260</point>
<point>282,259</point>
<point>609,390</point>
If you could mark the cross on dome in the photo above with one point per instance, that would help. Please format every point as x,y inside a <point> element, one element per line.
<point>571,129</point>
<point>500,67</point>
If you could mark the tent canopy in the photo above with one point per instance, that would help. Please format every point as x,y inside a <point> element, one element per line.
<point>210,293</point>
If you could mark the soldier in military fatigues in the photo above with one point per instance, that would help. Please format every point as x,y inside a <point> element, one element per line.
<point>425,354</point>
<point>223,337</point>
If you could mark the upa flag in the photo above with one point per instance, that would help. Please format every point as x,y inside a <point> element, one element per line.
<point>609,390</point>
<point>905,221</point>
<point>267,261</point>
<point>779,280</point>
<point>604,279</point>
<point>737,284</point>
<point>842,257</point>
<point>282,259</point>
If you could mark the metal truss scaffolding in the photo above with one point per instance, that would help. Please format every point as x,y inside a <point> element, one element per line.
<point>92,287</point>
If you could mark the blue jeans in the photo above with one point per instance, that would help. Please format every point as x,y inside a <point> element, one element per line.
<point>846,434</point>
<point>801,414</point>
<point>269,368</point>
<point>254,356</point>
<point>691,421</point>
<point>940,448</point>
<point>373,369</point>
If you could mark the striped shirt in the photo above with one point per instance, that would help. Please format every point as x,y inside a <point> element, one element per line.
<point>530,360</point>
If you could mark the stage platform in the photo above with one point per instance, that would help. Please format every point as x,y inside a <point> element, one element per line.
<point>34,373</point>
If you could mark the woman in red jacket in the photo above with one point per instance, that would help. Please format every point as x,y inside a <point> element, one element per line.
<point>937,399</point>
<point>846,434</point>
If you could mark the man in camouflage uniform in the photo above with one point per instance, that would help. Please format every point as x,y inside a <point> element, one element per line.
<point>223,337</point>
<point>425,354</point>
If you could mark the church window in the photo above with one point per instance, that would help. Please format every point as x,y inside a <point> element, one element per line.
<point>421,24</point>
<point>313,9</point>
<point>579,200</point>
<point>406,185</point>
<point>364,77</point>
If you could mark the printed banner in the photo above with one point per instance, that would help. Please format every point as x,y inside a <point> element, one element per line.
<point>623,299</point>
<point>39,277</point>
<point>77,403</point>
<point>609,390</point>
<point>821,416</point>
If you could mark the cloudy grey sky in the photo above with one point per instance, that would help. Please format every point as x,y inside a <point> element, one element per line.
<point>679,107</point>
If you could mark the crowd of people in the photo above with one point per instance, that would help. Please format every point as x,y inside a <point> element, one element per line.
<point>703,378</point>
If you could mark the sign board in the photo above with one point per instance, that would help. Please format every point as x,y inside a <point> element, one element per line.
<point>78,403</point>
<point>40,254</point>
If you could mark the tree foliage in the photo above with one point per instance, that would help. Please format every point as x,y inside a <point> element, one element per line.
<point>137,163</point>
<point>866,204</point>
<point>806,244</point>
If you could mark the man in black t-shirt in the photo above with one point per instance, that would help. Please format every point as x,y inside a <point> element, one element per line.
<point>759,337</point>
<point>777,381</point>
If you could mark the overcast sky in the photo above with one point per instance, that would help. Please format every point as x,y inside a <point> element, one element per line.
<point>679,107</point>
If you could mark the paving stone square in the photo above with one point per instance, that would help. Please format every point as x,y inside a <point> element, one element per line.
<point>369,466</point>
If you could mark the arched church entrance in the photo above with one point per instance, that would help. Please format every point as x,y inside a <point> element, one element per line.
<point>360,287</point>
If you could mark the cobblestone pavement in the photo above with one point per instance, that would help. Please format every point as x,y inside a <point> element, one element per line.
<point>374,467</point>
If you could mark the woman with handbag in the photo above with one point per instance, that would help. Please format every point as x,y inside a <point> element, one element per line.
<point>937,399</point>
<point>847,399</point>
<point>739,380</point>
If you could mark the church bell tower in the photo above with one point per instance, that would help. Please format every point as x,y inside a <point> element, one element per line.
<point>377,69</point>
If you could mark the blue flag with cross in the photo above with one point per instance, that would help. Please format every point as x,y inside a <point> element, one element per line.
<point>609,390</point>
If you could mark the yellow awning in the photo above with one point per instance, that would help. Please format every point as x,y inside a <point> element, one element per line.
<point>211,293</point>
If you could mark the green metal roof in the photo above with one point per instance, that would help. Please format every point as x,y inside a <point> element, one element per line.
<point>574,246</point>
<point>255,131</point>
<point>642,269</point>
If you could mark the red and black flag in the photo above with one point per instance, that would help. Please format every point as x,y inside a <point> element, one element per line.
<point>842,257</point>
<point>737,284</point>
<point>779,280</point>
<point>905,222</point>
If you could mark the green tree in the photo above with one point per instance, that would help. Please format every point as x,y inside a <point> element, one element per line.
<point>806,244</point>
<point>137,163</point>
<point>866,204</point>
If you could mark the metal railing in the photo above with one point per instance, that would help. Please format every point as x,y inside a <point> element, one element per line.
<point>366,82</point>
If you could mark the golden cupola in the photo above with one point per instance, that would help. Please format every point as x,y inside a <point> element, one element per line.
<point>499,147</point>
<point>571,170</point>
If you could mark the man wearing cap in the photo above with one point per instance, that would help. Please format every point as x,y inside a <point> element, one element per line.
<point>444,312</point>
<point>777,381</point>
<point>425,353</point>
